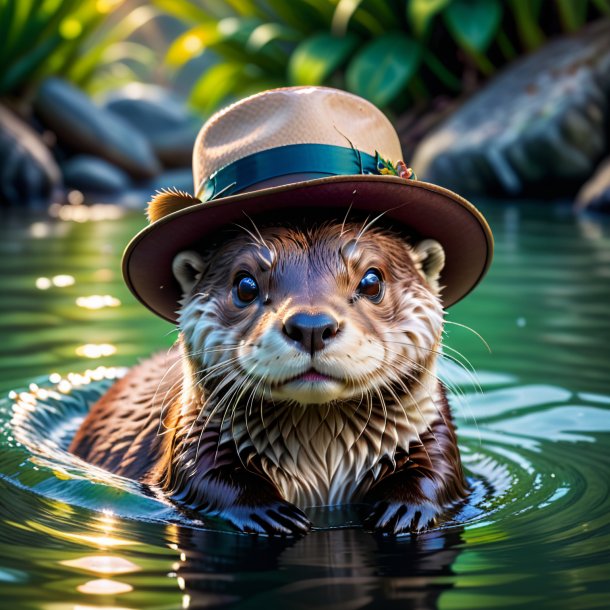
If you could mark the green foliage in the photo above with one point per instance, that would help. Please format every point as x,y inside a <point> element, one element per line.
<point>68,38</point>
<point>473,23</point>
<point>389,51</point>
<point>315,59</point>
<point>383,68</point>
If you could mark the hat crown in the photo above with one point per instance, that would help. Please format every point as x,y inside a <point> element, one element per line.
<point>293,115</point>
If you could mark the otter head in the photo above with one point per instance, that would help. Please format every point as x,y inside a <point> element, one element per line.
<point>311,315</point>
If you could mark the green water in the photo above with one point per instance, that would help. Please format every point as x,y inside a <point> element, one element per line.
<point>535,443</point>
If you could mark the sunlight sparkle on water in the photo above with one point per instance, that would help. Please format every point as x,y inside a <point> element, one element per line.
<point>102,564</point>
<point>77,212</point>
<point>82,607</point>
<point>63,280</point>
<point>97,301</point>
<point>59,281</point>
<point>94,350</point>
<point>39,230</point>
<point>103,586</point>
<point>104,541</point>
<point>43,283</point>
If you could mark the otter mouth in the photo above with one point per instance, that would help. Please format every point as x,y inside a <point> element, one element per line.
<point>311,376</point>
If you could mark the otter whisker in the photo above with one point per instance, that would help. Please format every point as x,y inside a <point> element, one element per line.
<point>441,354</point>
<point>467,365</point>
<point>428,426</point>
<point>220,404</point>
<point>420,367</point>
<point>349,209</point>
<point>460,396</point>
<point>242,388</point>
<point>213,370</point>
<point>474,332</point>
<point>226,381</point>
<point>398,379</point>
<point>368,225</point>
<point>183,358</point>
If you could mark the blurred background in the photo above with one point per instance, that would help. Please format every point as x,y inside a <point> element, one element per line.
<point>504,101</point>
<point>501,98</point>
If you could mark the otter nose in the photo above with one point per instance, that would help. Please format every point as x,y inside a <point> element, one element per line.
<point>311,330</point>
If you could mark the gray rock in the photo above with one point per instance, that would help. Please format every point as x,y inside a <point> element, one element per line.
<point>29,175</point>
<point>175,147</point>
<point>161,116</point>
<point>594,196</point>
<point>94,175</point>
<point>147,106</point>
<point>82,126</point>
<point>137,198</point>
<point>536,129</point>
<point>181,179</point>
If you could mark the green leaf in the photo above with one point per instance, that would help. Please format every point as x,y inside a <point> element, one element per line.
<point>441,72</point>
<point>527,17</point>
<point>20,70</point>
<point>383,68</point>
<point>9,9</point>
<point>316,58</point>
<point>572,14</point>
<point>269,33</point>
<point>192,43</point>
<point>351,10</point>
<point>218,82</point>
<point>299,14</point>
<point>87,62</point>
<point>603,6</point>
<point>185,10</point>
<point>473,23</point>
<point>420,14</point>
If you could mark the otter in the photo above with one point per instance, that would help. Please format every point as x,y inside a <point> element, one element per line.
<point>304,374</point>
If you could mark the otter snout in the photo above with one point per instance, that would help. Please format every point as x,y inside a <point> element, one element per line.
<point>311,332</point>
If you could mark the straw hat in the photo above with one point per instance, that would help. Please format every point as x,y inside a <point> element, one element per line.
<point>301,148</point>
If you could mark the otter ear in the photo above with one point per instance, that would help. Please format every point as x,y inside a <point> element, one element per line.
<point>430,258</point>
<point>188,266</point>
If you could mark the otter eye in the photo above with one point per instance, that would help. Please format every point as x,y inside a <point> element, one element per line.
<point>371,285</point>
<point>245,290</point>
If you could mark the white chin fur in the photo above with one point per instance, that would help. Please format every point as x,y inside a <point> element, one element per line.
<point>309,392</point>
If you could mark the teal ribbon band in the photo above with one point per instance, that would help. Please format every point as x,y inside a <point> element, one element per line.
<point>324,159</point>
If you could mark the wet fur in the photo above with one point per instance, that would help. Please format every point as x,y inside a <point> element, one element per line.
<point>212,424</point>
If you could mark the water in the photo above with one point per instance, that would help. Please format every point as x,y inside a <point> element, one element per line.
<point>535,445</point>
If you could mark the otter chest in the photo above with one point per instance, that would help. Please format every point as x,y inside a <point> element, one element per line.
<point>325,455</point>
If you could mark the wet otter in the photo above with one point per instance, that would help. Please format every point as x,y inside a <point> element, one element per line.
<point>304,375</point>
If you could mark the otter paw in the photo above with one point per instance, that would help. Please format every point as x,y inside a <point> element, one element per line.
<point>396,518</point>
<point>276,519</point>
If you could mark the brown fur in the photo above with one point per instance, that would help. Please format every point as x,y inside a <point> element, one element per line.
<point>212,424</point>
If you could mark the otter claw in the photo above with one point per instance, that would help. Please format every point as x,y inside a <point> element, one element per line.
<point>394,518</point>
<point>271,520</point>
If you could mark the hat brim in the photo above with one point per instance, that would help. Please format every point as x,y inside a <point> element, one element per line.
<point>428,210</point>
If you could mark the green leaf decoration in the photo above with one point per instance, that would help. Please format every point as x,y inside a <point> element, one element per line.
<point>420,14</point>
<point>318,57</point>
<point>473,23</point>
<point>383,68</point>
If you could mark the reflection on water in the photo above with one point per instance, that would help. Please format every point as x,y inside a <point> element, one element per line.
<point>535,445</point>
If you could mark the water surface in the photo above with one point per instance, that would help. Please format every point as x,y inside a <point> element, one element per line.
<point>535,444</point>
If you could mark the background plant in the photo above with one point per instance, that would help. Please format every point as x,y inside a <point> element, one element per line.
<point>393,52</point>
<point>81,40</point>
